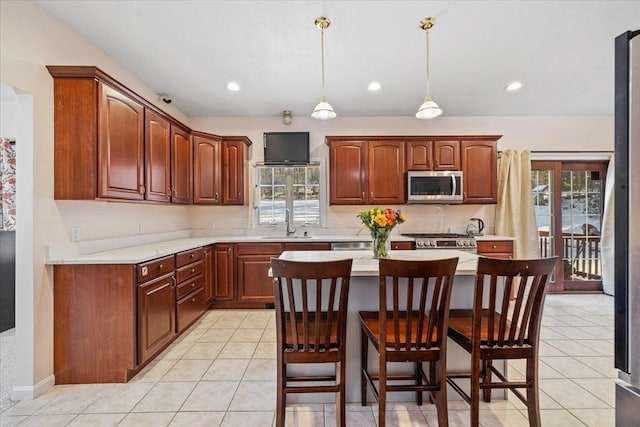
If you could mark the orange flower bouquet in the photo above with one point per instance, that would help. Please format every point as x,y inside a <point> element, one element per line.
<point>380,222</point>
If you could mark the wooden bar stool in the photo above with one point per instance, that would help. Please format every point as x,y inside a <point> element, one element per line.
<point>311,318</point>
<point>410,326</point>
<point>502,329</point>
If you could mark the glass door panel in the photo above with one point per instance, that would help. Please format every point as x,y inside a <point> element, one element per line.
<point>542,185</point>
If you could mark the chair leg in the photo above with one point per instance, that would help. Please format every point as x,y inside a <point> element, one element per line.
<point>475,389</point>
<point>533,401</point>
<point>382,391</point>
<point>418,377</point>
<point>432,379</point>
<point>340,400</point>
<point>441,394</point>
<point>364,356</point>
<point>486,366</point>
<point>281,402</point>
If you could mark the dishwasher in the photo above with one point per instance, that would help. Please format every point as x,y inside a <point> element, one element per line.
<point>352,246</point>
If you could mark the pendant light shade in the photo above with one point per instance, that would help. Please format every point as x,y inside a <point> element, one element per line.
<point>324,110</point>
<point>429,109</point>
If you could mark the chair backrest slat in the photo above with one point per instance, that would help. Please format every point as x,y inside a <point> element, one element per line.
<point>519,319</point>
<point>414,321</point>
<point>313,316</point>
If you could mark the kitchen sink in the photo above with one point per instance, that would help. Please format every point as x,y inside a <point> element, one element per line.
<point>284,237</point>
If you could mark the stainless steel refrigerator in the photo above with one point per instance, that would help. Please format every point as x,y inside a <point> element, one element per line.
<point>627,228</point>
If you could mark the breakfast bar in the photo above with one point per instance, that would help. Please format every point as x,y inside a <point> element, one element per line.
<point>363,295</point>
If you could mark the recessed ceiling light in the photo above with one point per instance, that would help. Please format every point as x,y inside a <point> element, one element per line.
<point>513,86</point>
<point>373,86</point>
<point>233,86</point>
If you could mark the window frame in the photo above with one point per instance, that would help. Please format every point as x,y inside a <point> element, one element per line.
<point>322,193</point>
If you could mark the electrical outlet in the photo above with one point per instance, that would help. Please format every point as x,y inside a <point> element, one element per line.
<point>212,225</point>
<point>75,234</point>
<point>244,223</point>
<point>141,227</point>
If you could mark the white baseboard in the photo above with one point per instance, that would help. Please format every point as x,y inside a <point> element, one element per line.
<point>19,393</point>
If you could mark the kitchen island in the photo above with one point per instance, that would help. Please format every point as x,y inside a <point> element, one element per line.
<point>363,295</point>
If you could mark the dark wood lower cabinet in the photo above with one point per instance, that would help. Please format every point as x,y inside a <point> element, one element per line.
<point>190,308</point>
<point>156,316</point>
<point>253,263</point>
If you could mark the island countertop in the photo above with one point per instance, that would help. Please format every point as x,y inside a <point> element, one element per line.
<point>365,265</point>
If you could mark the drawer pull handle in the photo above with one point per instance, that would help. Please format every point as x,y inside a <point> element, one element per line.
<point>193,300</point>
<point>160,266</point>
<point>193,270</point>
<point>193,255</point>
<point>494,246</point>
<point>193,285</point>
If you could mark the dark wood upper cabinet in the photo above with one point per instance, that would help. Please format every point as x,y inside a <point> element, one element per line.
<point>446,155</point>
<point>207,167</point>
<point>181,166</point>
<point>110,143</point>
<point>157,157</point>
<point>419,155</point>
<point>480,171</point>
<point>120,146</point>
<point>348,172</point>
<point>386,172</point>
<point>233,160</point>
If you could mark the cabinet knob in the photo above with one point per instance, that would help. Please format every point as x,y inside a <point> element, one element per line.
<point>372,194</point>
<point>193,285</point>
<point>193,270</point>
<point>362,195</point>
<point>193,300</point>
<point>168,193</point>
<point>141,189</point>
<point>494,246</point>
<point>193,255</point>
<point>160,267</point>
<point>229,251</point>
<point>216,198</point>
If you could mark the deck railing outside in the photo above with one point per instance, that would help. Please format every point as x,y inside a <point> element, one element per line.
<point>580,253</point>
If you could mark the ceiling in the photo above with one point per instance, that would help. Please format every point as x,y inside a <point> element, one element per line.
<point>561,51</point>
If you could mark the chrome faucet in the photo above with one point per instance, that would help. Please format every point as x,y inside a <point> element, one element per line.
<point>287,221</point>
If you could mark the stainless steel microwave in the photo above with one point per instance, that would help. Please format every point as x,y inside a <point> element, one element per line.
<point>434,187</point>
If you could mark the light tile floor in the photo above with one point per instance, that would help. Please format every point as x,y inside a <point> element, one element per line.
<point>222,373</point>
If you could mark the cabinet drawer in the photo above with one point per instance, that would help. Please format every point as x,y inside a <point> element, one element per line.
<point>189,286</point>
<point>190,308</point>
<point>188,271</point>
<point>402,245</point>
<point>187,257</point>
<point>156,268</point>
<point>307,246</point>
<point>496,246</point>
<point>260,248</point>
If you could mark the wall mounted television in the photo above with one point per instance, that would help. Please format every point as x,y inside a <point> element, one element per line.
<point>286,148</point>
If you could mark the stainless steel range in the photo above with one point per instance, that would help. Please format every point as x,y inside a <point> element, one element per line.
<point>461,242</point>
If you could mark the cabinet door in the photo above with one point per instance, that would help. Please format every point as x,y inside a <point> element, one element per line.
<point>181,162</point>
<point>233,172</point>
<point>480,171</point>
<point>254,283</point>
<point>446,155</point>
<point>157,157</point>
<point>386,172</point>
<point>208,277</point>
<point>348,172</point>
<point>419,155</point>
<point>156,316</point>
<point>206,171</point>
<point>223,272</point>
<point>120,146</point>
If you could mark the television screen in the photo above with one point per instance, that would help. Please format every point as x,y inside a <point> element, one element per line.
<point>286,148</point>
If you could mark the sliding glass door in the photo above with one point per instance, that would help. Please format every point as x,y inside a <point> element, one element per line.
<point>569,202</point>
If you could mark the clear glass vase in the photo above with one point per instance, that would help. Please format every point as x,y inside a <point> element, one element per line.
<point>381,243</point>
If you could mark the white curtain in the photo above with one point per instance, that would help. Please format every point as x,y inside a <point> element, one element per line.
<point>7,185</point>
<point>607,234</point>
<point>515,215</point>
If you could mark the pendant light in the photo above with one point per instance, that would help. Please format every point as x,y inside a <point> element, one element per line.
<point>428,109</point>
<point>323,111</point>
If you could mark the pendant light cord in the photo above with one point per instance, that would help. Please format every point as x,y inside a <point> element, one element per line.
<point>427,33</point>
<point>322,53</point>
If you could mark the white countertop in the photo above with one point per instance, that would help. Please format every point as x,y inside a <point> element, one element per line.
<point>365,265</point>
<point>126,251</point>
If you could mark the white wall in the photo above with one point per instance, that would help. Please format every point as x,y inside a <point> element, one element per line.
<point>30,38</point>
